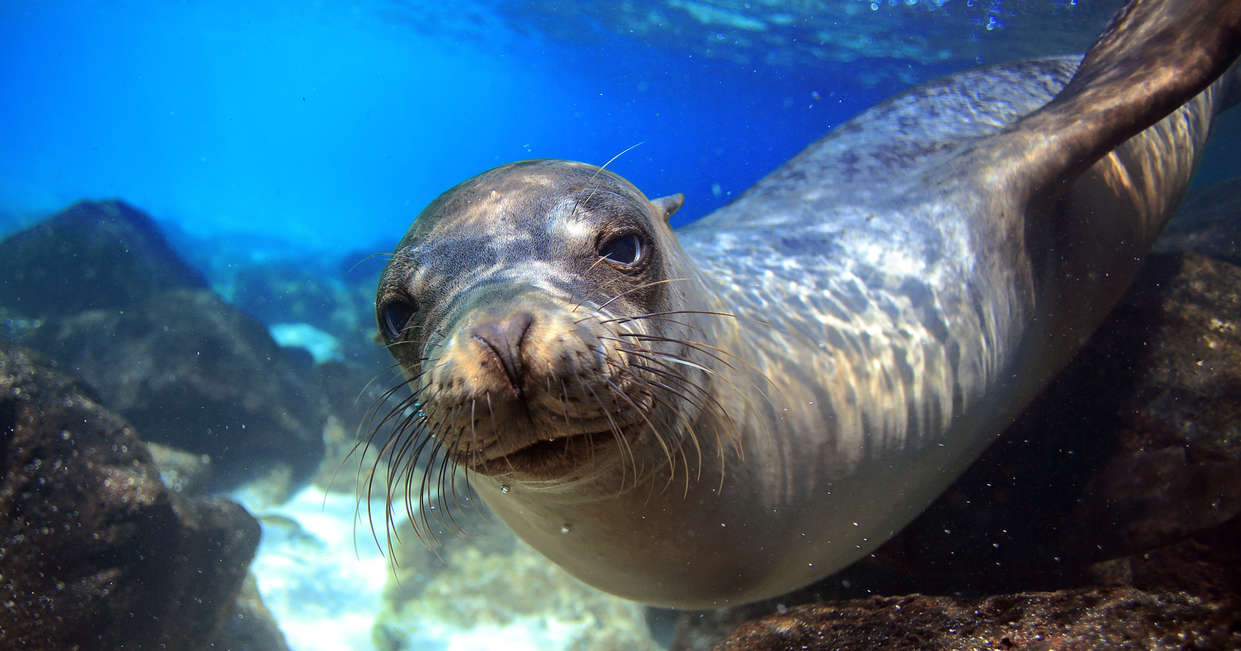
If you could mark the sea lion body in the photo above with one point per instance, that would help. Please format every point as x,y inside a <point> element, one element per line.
<point>827,353</point>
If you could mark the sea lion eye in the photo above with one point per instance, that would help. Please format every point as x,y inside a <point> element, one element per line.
<point>624,249</point>
<point>395,316</point>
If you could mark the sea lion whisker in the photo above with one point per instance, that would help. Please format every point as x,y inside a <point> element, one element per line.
<point>688,427</point>
<point>677,412</point>
<point>442,474</point>
<point>692,400</point>
<point>409,468</point>
<point>692,327</point>
<point>428,489</point>
<point>465,470</point>
<point>403,342</point>
<point>360,440</point>
<point>379,254</point>
<point>638,288</point>
<point>705,349</point>
<point>375,378</point>
<point>399,434</point>
<point>408,404</point>
<point>410,401</point>
<point>636,317</point>
<point>708,350</point>
<point>403,462</point>
<point>631,290</point>
<point>492,413</point>
<point>654,431</point>
<point>718,408</point>
<point>600,169</point>
<point>621,443</point>
<point>655,356</point>
<point>564,403</point>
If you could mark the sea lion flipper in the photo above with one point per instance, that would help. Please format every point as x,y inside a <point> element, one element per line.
<point>1153,57</point>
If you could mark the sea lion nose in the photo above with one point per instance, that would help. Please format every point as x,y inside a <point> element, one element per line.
<point>504,336</point>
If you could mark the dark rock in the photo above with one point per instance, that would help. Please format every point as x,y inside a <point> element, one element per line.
<point>193,372</point>
<point>1176,466</point>
<point>1206,564</point>
<point>251,627</point>
<point>286,292</point>
<point>306,292</point>
<point>1208,222</point>
<point>94,551</point>
<point>94,254</point>
<point>1108,618</point>
<point>182,472</point>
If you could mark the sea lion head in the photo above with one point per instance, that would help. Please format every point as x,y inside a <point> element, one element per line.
<point>537,312</point>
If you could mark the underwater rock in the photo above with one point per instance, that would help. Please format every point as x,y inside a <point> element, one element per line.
<point>193,372</point>
<point>251,626</point>
<point>287,292</point>
<point>1111,618</point>
<point>1176,468</point>
<point>92,255</point>
<point>182,472</point>
<point>313,305</point>
<point>1208,222</point>
<point>94,551</point>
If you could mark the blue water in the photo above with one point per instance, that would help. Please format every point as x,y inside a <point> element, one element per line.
<point>332,127</point>
<point>318,128</point>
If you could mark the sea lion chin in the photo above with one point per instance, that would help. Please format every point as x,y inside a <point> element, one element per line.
<point>713,416</point>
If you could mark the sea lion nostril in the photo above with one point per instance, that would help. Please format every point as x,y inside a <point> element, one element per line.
<point>504,337</point>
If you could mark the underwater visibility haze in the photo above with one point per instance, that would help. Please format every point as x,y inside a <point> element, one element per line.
<point>282,149</point>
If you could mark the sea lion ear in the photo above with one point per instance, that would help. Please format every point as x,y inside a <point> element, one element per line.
<point>669,204</point>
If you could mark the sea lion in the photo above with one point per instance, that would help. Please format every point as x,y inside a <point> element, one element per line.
<point>713,416</point>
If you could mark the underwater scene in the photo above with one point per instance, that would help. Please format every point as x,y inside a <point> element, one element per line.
<point>964,374</point>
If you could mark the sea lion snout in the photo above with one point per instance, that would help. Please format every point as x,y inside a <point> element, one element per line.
<point>504,337</point>
<point>521,372</point>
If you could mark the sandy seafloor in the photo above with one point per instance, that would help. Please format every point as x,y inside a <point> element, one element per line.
<point>315,133</point>
<point>322,576</point>
<point>323,589</point>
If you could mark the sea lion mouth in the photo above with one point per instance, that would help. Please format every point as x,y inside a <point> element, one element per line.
<point>551,459</point>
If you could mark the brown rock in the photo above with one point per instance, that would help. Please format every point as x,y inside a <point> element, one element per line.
<point>191,371</point>
<point>251,627</point>
<point>1207,223</point>
<point>92,255</point>
<point>1107,618</point>
<point>94,551</point>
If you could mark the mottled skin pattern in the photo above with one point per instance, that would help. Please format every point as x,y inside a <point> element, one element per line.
<point>897,293</point>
